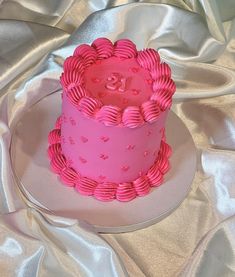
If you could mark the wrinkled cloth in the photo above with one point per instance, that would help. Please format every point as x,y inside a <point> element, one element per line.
<point>197,38</point>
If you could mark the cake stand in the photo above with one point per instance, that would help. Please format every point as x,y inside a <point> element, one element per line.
<point>43,190</point>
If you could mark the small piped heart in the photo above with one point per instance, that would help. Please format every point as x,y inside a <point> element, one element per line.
<point>134,69</point>
<point>72,121</point>
<point>135,92</point>
<point>146,153</point>
<point>140,173</point>
<point>63,140</point>
<point>64,118</point>
<point>95,80</point>
<point>84,139</point>
<point>104,157</point>
<point>104,139</point>
<point>149,81</point>
<point>130,147</point>
<point>71,141</point>
<point>82,160</point>
<point>125,168</point>
<point>102,177</point>
<point>102,94</point>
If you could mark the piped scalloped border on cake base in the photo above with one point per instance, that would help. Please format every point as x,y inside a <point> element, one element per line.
<point>106,191</point>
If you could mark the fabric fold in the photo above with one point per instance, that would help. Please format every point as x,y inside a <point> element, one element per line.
<point>197,39</point>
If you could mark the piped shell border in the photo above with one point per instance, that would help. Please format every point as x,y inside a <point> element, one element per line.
<point>106,191</point>
<point>72,81</point>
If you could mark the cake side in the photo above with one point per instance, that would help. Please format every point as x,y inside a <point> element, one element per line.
<point>109,141</point>
<point>109,153</point>
<point>104,190</point>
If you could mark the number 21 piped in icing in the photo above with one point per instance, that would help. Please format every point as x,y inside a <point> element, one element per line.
<point>120,98</point>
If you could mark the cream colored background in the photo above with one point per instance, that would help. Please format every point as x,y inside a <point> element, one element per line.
<point>198,39</point>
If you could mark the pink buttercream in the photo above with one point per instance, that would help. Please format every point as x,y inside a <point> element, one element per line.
<point>165,149</point>
<point>160,70</point>
<point>104,156</point>
<point>164,165</point>
<point>148,58</point>
<point>164,88</point>
<point>71,79</point>
<point>74,63</point>
<point>87,52</point>
<point>142,186</point>
<point>150,111</point>
<point>75,94</point>
<point>125,192</point>
<point>89,106</point>
<point>103,47</point>
<point>58,163</point>
<point>86,186</point>
<point>105,191</point>
<point>164,84</point>
<point>69,176</point>
<point>155,176</point>
<point>132,117</point>
<point>54,149</point>
<point>109,115</point>
<point>124,48</point>
<point>58,122</point>
<point>54,136</point>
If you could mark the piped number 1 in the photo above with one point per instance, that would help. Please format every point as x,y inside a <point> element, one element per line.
<point>116,82</point>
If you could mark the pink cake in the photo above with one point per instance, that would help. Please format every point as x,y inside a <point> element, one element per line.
<point>109,142</point>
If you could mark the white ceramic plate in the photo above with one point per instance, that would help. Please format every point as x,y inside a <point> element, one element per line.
<point>43,189</point>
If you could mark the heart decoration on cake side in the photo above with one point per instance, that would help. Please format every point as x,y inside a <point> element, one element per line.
<point>84,139</point>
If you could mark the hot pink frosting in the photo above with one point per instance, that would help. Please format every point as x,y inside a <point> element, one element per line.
<point>150,110</point>
<point>132,117</point>
<point>58,123</point>
<point>58,163</point>
<point>148,58</point>
<point>115,102</point>
<point>103,47</point>
<point>74,63</point>
<point>165,149</point>
<point>124,48</point>
<point>53,149</point>
<point>105,191</point>
<point>155,176</point>
<point>54,136</point>
<point>109,115</point>
<point>69,176</point>
<point>108,191</point>
<point>142,186</point>
<point>89,106</point>
<point>164,89</point>
<point>160,70</point>
<point>75,94</point>
<point>71,79</point>
<point>125,192</point>
<point>86,186</point>
<point>87,52</point>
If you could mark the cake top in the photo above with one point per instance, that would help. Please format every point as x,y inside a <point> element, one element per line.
<point>116,84</point>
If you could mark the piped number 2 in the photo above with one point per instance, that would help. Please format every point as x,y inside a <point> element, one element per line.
<point>116,82</point>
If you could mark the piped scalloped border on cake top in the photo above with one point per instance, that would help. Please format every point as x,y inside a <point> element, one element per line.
<point>163,87</point>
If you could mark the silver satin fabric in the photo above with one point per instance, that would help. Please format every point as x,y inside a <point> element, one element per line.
<point>197,37</point>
